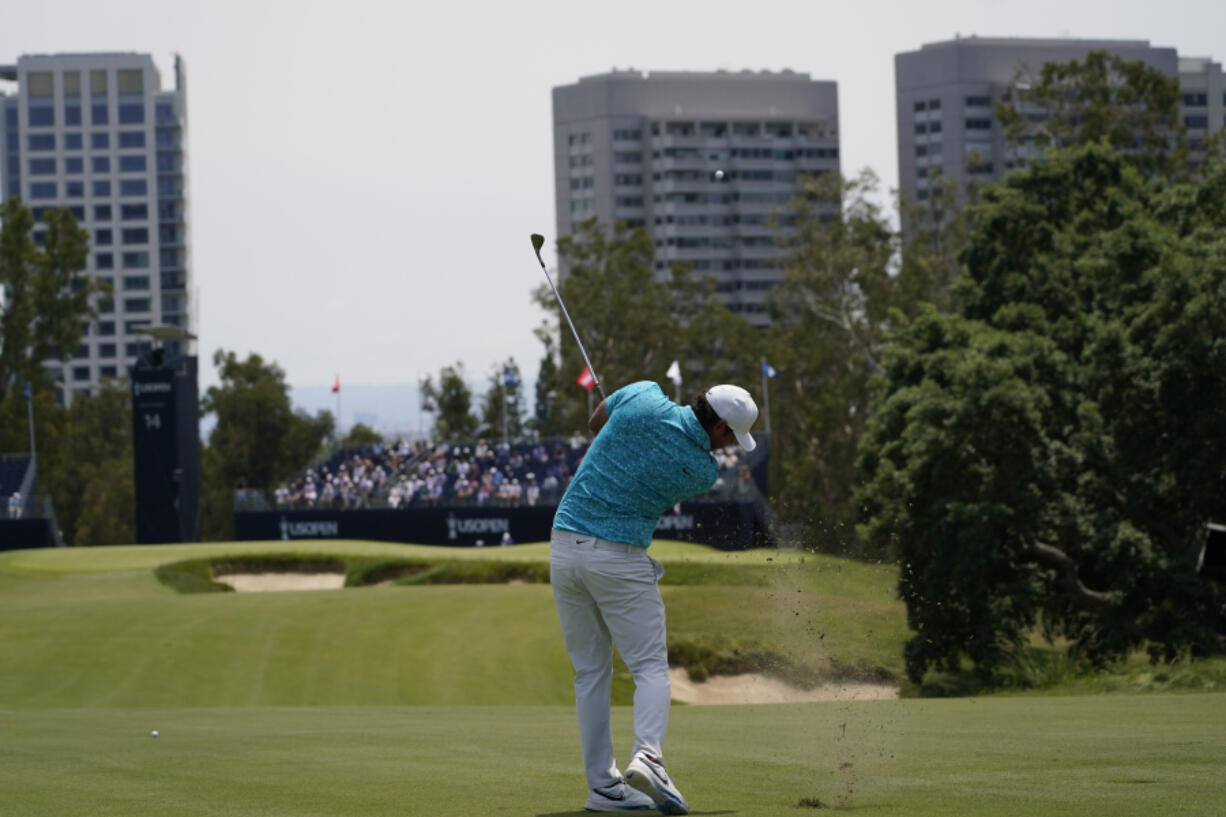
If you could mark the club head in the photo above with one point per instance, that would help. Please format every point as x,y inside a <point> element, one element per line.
<point>538,241</point>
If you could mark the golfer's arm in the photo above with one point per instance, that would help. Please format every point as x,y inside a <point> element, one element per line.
<point>598,419</point>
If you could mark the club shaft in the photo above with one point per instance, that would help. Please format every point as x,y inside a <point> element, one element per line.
<point>573,331</point>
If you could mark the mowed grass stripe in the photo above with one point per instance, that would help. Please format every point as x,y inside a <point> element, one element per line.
<point>1114,756</point>
<point>415,645</point>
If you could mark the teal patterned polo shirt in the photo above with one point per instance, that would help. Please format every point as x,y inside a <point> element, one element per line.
<point>650,455</point>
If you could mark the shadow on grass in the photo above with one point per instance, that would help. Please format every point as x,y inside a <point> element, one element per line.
<point>582,813</point>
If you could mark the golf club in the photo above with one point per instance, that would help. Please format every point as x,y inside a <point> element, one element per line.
<point>538,241</point>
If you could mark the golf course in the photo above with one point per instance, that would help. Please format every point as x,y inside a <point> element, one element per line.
<point>435,683</point>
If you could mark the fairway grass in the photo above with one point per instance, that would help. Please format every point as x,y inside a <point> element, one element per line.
<point>1110,756</point>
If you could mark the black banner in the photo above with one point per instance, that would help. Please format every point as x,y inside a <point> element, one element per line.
<point>725,525</point>
<point>166,451</point>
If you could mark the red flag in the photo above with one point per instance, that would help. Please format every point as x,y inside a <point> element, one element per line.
<point>336,387</point>
<point>586,380</point>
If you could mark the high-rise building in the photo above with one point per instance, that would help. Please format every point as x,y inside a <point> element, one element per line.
<point>698,159</point>
<point>946,93</point>
<point>98,134</point>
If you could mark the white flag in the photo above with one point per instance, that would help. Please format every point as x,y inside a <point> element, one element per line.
<point>674,373</point>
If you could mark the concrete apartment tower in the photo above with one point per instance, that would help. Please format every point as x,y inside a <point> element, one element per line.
<point>946,91</point>
<point>699,159</point>
<point>98,134</point>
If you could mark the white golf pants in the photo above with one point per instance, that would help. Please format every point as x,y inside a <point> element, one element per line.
<point>607,593</point>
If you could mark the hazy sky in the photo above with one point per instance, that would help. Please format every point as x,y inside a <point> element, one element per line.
<point>364,175</point>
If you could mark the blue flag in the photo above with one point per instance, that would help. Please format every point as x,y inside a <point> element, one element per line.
<point>25,390</point>
<point>768,369</point>
<point>508,377</point>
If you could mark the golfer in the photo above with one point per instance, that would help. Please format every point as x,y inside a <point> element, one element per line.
<point>648,455</point>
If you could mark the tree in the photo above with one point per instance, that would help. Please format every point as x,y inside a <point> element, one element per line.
<point>360,436</point>
<point>94,483</point>
<point>451,402</point>
<point>259,441</point>
<point>505,392</point>
<point>1131,106</point>
<point>45,300</point>
<point>1048,456</point>
<point>830,315</point>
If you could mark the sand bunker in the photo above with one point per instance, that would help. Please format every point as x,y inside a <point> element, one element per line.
<point>266,582</point>
<point>755,688</point>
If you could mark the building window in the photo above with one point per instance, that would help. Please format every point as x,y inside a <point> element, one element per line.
<point>43,190</point>
<point>74,190</point>
<point>106,350</point>
<point>103,238</point>
<point>102,212</point>
<point>136,235</point>
<point>42,167</point>
<point>136,260</point>
<point>934,104</point>
<point>1196,121</point>
<point>979,124</point>
<point>106,328</point>
<point>1196,99</point>
<point>100,140</point>
<point>136,305</point>
<point>41,141</point>
<point>130,81</point>
<point>104,260</point>
<point>99,114</point>
<point>42,116</point>
<point>921,106</point>
<point>40,84</point>
<point>72,141</point>
<point>80,373</point>
<point>97,82</point>
<point>979,102</point>
<point>921,127</point>
<point>134,212</point>
<point>107,371</point>
<point>72,114</point>
<point>934,127</point>
<point>133,187</point>
<point>628,157</point>
<point>101,187</point>
<point>165,113</point>
<point>74,165</point>
<point>132,139</point>
<point>100,164</point>
<point>132,113</point>
<point>627,135</point>
<point>132,164</point>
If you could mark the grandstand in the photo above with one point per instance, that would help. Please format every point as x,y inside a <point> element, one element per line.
<point>26,520</point>
<point>486,479</point>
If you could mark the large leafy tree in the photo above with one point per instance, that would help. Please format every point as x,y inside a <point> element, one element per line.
<point>259,440</point>
<point>1130,105</point>
<point>45,298</point>
<point>1047,457</point>
<point>830,314</point>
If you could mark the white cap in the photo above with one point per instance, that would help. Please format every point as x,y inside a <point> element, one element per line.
<point>734,405</point>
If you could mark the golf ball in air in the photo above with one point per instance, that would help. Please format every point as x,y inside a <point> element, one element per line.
<point>154,733</point>
<point>719,175</point>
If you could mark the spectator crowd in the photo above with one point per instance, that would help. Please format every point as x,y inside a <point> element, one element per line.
<point>488,473</point>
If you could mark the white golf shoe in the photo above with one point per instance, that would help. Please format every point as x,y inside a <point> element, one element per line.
<point>618,797</point>
<point>646,773</point>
